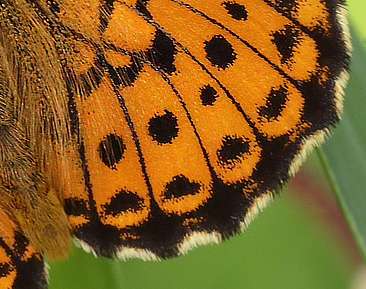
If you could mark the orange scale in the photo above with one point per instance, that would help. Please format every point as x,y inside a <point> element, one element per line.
<point>101,116</point>
<point>180,153</point>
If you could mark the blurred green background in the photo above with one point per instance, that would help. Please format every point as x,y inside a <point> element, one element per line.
<point>300,241</point>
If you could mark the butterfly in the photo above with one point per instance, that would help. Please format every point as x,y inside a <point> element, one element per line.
<point>143,128</point>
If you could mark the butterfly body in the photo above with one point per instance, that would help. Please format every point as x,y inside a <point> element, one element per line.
<point>145,128</point>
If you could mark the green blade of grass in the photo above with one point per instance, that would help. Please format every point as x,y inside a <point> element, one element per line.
<point>346,150</point>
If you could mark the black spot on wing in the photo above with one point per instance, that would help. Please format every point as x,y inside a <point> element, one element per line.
<point>219,52</point>
<point>232,150</point>
<point>111,150</point>
<point>208,95</point>
<point>162,53</point>
<point>163,128</point>
<point>286,40</point>
<point>235,10</point>
<point>275,103</point>
<point>181,186</point>
<point>121,202</point>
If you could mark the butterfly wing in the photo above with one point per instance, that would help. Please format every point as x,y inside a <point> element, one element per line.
<point>185,116</point>
<point>189,114</point>
<point>164,124</point>
<point>21,266</point>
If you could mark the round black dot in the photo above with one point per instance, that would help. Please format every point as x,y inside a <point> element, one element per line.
<point>219,52</point>
<point>111,150</point>
<point>208,95</point>
<point>163,128</point>
<point>121,202</point>
<point>236,10</point>
<point>181,186</point>
<point>232,150</point>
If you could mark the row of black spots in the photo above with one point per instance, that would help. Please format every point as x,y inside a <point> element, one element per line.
<point>111,150</point>
<point>232,150</point>
<point>235,10</point>
<point>105,12</point>
<point>275,103</point>
<point>286,40</point>
<point>220,52</point>
<point>91,79</point>
<point>162,129</point>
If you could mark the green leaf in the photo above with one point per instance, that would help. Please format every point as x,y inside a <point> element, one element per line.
<point>346,150</point>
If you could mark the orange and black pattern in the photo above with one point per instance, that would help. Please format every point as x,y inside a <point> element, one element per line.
<point>20,264</point>
<point>182,117</point>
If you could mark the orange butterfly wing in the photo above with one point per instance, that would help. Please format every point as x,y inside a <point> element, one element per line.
<point>186,116</point>
<point>196,120</point>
